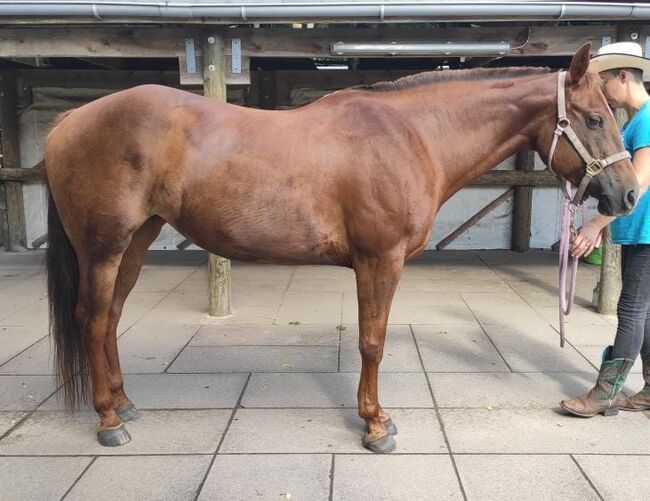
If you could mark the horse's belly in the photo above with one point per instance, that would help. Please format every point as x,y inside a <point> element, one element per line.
<point>249,231</point>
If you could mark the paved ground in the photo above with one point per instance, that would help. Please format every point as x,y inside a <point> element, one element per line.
<point>262,405</point>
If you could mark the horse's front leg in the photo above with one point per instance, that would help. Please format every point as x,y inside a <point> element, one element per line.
<point>377,279</point>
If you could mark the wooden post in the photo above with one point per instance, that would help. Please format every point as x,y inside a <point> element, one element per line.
<point>214,87</point>
<point>15,219</point>
<point>610,269</point>
<point>523,204</point>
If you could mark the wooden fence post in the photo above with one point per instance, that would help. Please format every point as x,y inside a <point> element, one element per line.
<point>15,211</point>
<point>523,204</point>
<point>214,87</point>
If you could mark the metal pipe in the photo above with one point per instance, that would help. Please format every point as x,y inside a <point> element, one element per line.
<point>276,11</point>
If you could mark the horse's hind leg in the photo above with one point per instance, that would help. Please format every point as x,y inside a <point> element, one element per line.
<point>377,279</point>
<point>98,273</point>
<point>127,276</point>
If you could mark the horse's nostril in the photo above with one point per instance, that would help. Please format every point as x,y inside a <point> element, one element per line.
<point>630,199</point>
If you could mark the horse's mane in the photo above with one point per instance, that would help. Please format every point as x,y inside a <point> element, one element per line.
<point>430,77</point>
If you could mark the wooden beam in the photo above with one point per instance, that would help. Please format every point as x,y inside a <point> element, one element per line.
<point>170,41</point>
<point>16,239</point>
<point>474,219</point>
<point>517,178</point>
<point>523,204</point>
<point>214,87</point>
<point>13,175</point>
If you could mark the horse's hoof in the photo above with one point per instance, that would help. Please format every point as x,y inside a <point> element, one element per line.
<point>390,426</point>
<point>113,437</point>
<point>382,445</point>
<point>128,412</point>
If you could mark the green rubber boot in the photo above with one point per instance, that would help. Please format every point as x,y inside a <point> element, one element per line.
<point>604,397</point>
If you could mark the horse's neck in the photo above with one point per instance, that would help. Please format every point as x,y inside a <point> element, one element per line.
<point>477,124</point>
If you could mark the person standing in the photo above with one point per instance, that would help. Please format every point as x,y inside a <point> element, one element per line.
<point>621,67</point>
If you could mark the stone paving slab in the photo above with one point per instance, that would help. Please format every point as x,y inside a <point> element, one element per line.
<point>38,478</point>
<point>157,432</point>
<point>239,335</point>
<point>176,391</point>
<point>310,308</point>
<point>23,393</point>
<point>36,360</point>
<point>543,431</point>
<point>400,352</point>
<point>8,420</point>
<point>298,477</point>
<point>14,339</point>
<point>152,346</point>
<point>219,359</point>
<point>450,348</point>
<point>507,390</point>
<point>618,477</point>
<point>326,431</point>
<point>144,478</point>
<point>535,349</point>
<point>333,390</point>
<point>394,478</point>
<point>522,478</point>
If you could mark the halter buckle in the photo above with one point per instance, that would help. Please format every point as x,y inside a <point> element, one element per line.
<point>595,167</point>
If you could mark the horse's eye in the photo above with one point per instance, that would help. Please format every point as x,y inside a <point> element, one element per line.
<point>594,122</point>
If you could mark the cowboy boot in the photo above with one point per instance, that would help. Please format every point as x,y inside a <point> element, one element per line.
<point>640,401</point>
<point>602,398</point>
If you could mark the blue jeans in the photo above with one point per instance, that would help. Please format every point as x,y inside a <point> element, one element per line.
<point>633,333</point>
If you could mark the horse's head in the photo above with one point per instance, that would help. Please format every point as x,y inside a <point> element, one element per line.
<point>587,141</point>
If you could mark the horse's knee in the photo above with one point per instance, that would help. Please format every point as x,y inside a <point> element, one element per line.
<point>371,349</point>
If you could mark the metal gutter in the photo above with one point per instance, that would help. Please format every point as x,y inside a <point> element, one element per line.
<point>318,11</point>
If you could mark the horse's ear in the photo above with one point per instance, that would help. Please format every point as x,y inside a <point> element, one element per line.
<point>579,63</point>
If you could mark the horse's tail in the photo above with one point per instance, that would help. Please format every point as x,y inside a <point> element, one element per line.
<point>71,360</point>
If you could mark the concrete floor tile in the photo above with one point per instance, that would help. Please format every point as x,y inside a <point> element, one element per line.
<point>14,339</point>
<point>593,335</point>
<point>8,420</point>
<point>239,335</point>
<point>535,349</point>
<point>411,477</point>
<point>507,390</point>
<point>450,348</point>
<point>522,478</point>
<point>400,353</point>
<point>579,317</point>
<point>501,309</point>
<point>618,477</point>
<point>299,477</point>
<point>151,477</point>
<point>326,431</point>
<point>543,431</point>
<point>311,308</point>
<point>450,285</point>
<point>157,432</point>
<point>39,478</point>
<point>333,390</point>
<point>455,315</point>
<point>176,391</point>
<point>219,359</point>
<point>151,348</point>
<point>18,393</point>
<point>246,315</point>
<point>37,359</point>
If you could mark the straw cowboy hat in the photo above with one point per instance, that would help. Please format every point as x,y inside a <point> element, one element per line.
<point>619,55</point>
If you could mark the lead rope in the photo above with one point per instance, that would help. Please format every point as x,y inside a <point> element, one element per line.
<point>567,236</point>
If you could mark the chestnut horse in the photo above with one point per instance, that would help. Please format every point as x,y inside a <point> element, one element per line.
<point>354,179</point>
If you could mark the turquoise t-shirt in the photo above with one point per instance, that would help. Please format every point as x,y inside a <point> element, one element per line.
<point>635,227</point>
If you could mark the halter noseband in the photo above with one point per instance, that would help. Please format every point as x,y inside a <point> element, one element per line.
<point>563,126</point>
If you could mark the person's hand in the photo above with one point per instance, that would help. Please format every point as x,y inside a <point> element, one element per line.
<point>588,237</point>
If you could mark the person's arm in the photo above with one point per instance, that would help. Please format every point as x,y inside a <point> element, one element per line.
<point>590,233</point>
